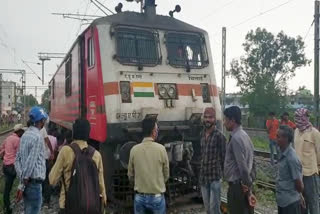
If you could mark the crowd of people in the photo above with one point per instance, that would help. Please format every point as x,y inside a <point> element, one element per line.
<point>302,158</point>
<point>41,160</point>
<point>10,119</point>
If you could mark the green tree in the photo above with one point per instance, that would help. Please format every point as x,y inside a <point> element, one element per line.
<point>30,100</point>
<point>45,99</point>
<point>262,73</point>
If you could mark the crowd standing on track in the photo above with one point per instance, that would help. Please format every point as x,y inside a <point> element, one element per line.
<point>239,166</point>
<point>148,169</point>
<point>30,162</point>
<point>213,150</point>
<point>30,154</point>
<point>307,146</point>
<point>272,125</point>
<point>8,152</point>
<point>79,167</point>
<point>289,186</point>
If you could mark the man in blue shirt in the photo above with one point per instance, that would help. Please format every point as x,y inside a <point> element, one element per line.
<point>289,184</point>
<point>30,162</point>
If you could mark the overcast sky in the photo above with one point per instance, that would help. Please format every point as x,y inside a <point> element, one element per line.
<point>27,27</point>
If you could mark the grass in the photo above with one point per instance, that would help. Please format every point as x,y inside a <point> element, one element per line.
<point>5,127</point>
<point>260,143</point>
<point>263,176</point>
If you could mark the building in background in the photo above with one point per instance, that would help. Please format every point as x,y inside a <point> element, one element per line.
<point>10,95</point>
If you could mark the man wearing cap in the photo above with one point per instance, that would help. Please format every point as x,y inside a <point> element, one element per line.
<point>10,147</point>
<point>30,162</point>
<point>307,146</point>
<point>213,150</point>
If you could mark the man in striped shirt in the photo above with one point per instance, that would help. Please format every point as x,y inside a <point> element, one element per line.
<point>30,162</point>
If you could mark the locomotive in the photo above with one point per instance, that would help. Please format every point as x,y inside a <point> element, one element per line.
<point>129,66</point>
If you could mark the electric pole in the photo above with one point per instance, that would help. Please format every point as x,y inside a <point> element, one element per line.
<point>48,56</point>
<point>223,67</point>
<point>316,61</point>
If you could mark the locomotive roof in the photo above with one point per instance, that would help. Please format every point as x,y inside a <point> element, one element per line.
<point>142,20</point>
<point>135,19</point>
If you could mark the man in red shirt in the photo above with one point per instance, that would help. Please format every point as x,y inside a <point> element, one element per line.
<point>9,149</point>
<point>285,121</point>
<point>272,128</point>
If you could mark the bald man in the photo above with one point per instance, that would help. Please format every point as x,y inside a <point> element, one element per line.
<point>213,150</point>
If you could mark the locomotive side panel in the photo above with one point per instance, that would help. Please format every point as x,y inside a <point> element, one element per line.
<point>65,90</point>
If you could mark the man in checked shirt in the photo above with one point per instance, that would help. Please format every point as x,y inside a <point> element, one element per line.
<point>30,162</point>
<point>213,150</point>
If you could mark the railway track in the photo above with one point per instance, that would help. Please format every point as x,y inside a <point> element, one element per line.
<point>6,132</point>
<point>263,154</point>
<point>266,185</point>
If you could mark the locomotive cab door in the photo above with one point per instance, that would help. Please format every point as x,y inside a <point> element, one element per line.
<point>93,86</point>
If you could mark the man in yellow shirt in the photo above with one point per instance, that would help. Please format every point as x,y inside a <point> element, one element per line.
<point>149,170</point>
<point>307,146</point>
<point>63,166</point>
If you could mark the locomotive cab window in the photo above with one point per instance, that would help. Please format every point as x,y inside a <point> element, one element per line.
<point>186,50</point>
<point>137,47</point>
<point>68,80</point>
<point>52,88</point>
<point>91,57</point>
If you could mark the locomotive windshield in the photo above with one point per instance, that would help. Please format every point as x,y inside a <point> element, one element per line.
<point>186,50</point>
<point>137,47</point>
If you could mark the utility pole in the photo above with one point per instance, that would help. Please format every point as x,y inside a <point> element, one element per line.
<point>48,56</point>
<point>43,58</point>
<point>223,67</point>
<point>15,95</point>
<point>316,60</point>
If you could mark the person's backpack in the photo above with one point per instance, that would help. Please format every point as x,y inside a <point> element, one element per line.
<point>83,195</point>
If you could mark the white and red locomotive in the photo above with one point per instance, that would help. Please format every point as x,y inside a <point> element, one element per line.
<point>129,66</point>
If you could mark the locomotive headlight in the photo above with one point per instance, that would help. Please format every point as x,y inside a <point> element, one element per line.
<point>172,92</point>
<point>167,91</point>
<point>125,91</point>
<point>162,92</point>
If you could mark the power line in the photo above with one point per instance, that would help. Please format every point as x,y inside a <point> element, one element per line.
<point>104,6</point>
<point>307,34</point>
<point>99,8</point>
<point>85,13</point>
<point>261,14</point>
<point>24,62</point>
<point>75,14</point>
<point>218,9</point>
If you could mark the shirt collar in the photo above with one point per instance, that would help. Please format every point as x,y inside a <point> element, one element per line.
<point>33,128</point>
<point>236,130</point>
<point>147,139</point>
<point>80,142</point>
<point>14,134</point>
<point>286,151</point>
<point>213,131</point>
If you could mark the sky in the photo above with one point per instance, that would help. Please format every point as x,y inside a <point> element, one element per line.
<point>28,27</point>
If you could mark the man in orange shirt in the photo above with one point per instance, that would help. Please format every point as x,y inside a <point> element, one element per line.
<point>285,121</point>
<point>272,128</point>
